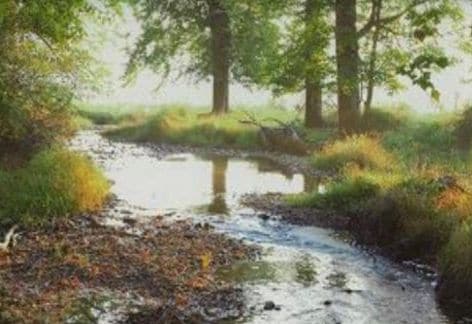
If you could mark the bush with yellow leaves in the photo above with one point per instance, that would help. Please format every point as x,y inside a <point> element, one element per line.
<point>55,183</point>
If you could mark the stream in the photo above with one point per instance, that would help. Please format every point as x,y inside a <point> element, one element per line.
<point>310,274</point>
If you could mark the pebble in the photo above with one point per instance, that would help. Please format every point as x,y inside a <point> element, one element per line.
<point>269,305</point>
<point>264,217</point>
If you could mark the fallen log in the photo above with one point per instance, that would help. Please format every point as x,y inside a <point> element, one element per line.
<point>283,138</point>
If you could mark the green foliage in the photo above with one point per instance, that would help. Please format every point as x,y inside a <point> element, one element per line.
<point>180,126</point>
<point>362,151</point>
<point>463,129</point>
<point>41,67</point>
<point>429,141</point>
<point>115,114</point>
<point>456,265</point>
<point>302,52</point>
<point>345,196</point>
<point>55,183</point>
<point>382,120</point>
<point>407,42</point>
<point>181,30</point>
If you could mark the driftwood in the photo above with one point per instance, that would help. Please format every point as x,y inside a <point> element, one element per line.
<point>8,238</point>
<point>283,138</point>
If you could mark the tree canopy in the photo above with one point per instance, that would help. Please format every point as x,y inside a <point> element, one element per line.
<point>41,65</point>
<point>223,39</point>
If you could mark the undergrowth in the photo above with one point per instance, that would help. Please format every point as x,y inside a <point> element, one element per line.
<point>54,183</point>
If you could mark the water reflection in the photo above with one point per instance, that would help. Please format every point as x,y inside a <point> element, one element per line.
<point>213,184</point>
<point>219,168</point>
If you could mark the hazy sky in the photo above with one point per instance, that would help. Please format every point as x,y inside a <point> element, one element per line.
<point>112,53</point>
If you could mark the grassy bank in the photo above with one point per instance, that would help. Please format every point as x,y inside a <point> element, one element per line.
<point>54,183</point>
<point>195,126</point>
<point>407,190</point>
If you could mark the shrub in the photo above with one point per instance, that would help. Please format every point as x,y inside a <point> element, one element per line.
<point>348,195</point>
<point>463,129</point>
<point>379,120</point>
<point>455,266</point>
<point>363,151</point>
<point>55,183</point>
<point>406,219</point>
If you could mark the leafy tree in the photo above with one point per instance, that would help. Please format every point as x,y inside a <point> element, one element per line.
<point>40,67</point>
<point>407,46</point>
<point>420,16</point>
<point>222,39</point>
<point>302,62</point>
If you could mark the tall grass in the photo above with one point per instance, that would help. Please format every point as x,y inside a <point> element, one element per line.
<point>55,183</point>
<point>183,126</point>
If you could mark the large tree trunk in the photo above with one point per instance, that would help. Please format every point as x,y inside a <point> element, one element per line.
<point>220,51</point>
<point>313,104</point>
<point>347,57</point>
<point>313,86</point>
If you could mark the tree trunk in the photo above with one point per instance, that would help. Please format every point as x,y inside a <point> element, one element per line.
<point>220,51</point>
<point>313,86</point>
<point>347,57</point>
<point>373,59</point>
<point>313,104</point>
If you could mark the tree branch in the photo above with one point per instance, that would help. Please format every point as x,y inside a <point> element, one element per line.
<point>385,20</point>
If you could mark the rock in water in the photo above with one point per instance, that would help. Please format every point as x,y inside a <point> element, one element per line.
<point>269,305</point>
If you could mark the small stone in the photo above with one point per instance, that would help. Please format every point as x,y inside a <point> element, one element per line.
<point>130,221</point>
<point>211,311</point>
<point>269,305</point>
<point>328,302</point>
<point>264,217</point>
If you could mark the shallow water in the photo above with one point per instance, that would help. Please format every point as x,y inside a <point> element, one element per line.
<point>313,276</point>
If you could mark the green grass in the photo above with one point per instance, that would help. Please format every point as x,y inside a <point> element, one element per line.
<point>362,151</point>
<point>107,114</point>
<point>180,125</point>
<point>54,183</point>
